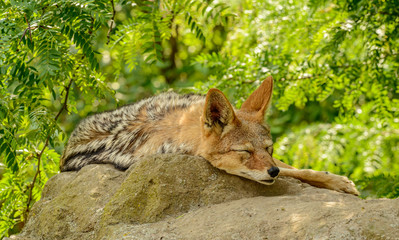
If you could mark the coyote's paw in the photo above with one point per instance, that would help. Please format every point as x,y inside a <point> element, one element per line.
<point>342,184</point>
<point>321,179</point>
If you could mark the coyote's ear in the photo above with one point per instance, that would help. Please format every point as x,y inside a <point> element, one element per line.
<point>259,100</point>
<point>218,112</point>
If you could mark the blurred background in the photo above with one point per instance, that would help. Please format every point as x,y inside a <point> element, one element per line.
<point>335,65</point>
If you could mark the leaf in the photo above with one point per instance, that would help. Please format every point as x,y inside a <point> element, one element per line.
<point>11,162</point>
<point>3,146</point>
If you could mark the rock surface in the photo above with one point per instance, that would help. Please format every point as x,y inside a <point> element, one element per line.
<point>184,197</point>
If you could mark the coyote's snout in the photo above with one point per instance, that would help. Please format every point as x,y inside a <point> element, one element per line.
<point>237,141</point>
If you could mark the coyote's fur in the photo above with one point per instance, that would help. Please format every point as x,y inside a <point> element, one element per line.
<point>236,141</point>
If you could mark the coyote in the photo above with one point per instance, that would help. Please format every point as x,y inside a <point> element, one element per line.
<point>236,141</point>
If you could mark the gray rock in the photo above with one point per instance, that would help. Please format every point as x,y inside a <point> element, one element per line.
<point>184,197</point>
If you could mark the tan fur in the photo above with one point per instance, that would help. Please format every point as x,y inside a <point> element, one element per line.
<point>240,146</point>
<point>237,141</point>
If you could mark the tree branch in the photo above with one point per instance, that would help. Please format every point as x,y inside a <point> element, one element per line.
<point>30,31</point>
<point>112,22</point>
<point>23,35</point>
<point>39,155</point>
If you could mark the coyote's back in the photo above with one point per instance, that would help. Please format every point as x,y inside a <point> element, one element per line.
<point>120,136</point>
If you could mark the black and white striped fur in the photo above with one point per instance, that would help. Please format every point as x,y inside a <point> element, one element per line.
<point>115,136</point>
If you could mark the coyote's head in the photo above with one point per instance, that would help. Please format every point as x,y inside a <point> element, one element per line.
<point>238,141</point>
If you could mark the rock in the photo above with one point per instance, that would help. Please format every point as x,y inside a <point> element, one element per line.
<point>168,186</point>
<point>72,202</point>
<point>184,197</point>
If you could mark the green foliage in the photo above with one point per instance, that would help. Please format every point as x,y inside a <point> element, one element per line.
<point>335,65</point>
<point>366,150</point>
<point>49,55</point>
<point>379,185</point>
<point>339,56</point>
<point>151,23</point>
<point>343,49</point>
<point>45,47</point>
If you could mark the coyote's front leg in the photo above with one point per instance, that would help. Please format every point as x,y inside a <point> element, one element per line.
<point>318,179</point>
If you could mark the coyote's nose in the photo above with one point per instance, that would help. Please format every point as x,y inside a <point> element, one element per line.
<point>273,171</point>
